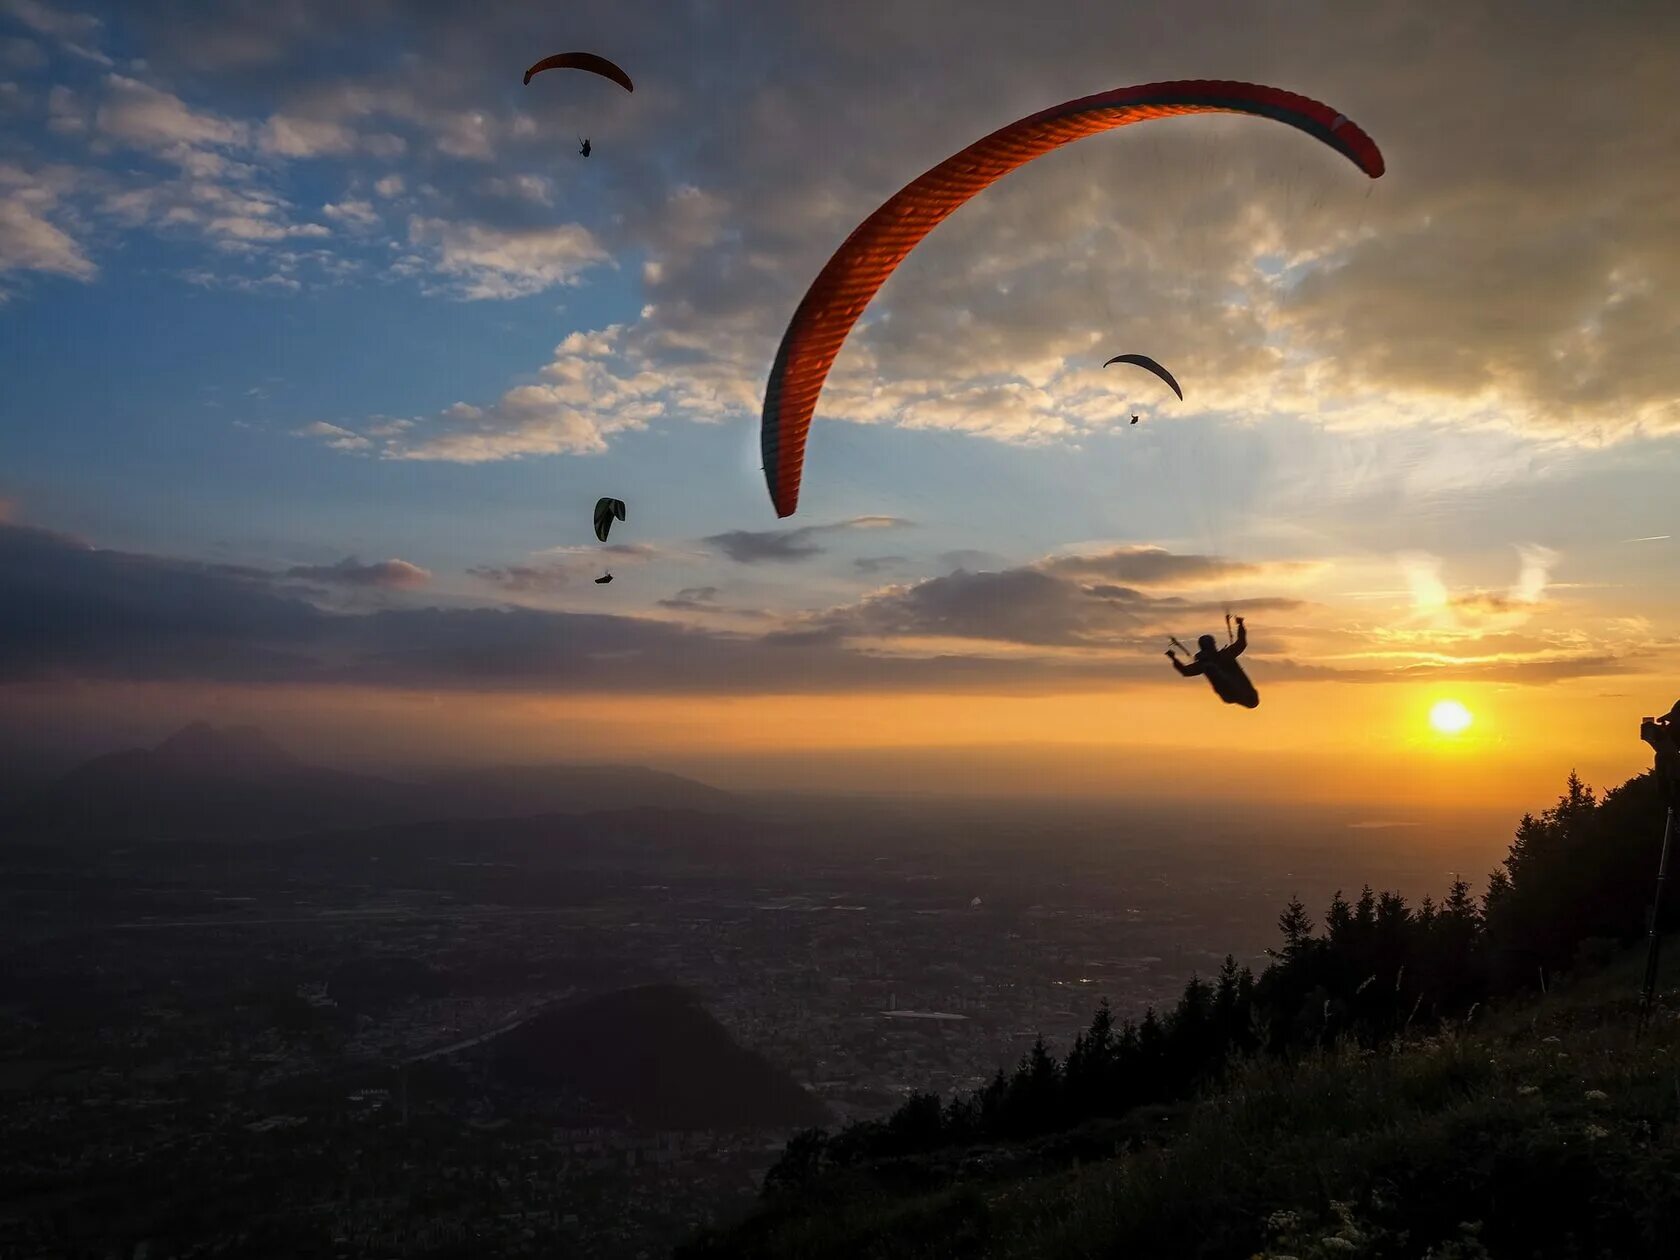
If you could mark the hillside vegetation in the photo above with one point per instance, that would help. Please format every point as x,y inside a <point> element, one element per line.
<point>1455,1080</point>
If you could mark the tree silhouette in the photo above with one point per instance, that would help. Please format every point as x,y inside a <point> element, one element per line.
<point>1577,873</point>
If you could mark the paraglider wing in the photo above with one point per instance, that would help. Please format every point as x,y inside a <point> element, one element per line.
<point>1144,361</point>
<point>603,580</point>
<point>868,256</point>
<point>582,61</point>
<point>606,511</point>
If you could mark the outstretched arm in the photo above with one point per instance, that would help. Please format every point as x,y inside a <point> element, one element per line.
<point>1242,639</point>
<point>1190,670</point>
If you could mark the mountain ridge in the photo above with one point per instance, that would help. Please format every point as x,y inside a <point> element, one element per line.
<point>236,783</point>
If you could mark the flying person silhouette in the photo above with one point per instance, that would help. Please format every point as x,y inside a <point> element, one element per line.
<point>584,145</point>
<point>1663,734</point>
<point>1219,666</point>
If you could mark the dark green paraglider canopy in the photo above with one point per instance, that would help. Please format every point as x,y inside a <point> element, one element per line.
<point>606,510</point>
<point>1148,364</point>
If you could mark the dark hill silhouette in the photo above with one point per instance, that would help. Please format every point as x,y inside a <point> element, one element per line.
<point>655,1054</point>
<point>236,784</point>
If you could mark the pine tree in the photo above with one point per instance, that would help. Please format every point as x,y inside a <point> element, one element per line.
<point>1338,920</point>
<point>1296,928</point>
<point>1365,912</point>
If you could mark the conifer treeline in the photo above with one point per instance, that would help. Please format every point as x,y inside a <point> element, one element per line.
<point>1576,883</point>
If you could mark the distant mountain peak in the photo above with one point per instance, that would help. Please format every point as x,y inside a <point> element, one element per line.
<point>200,748</point>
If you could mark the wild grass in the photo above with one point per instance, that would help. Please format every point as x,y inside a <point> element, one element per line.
<point>1548,1130</point>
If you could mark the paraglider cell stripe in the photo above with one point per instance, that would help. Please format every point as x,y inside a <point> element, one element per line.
<point>858,269</point>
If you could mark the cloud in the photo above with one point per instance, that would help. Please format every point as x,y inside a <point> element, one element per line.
<point>1139,565</point>
<point>29,241</point>
<point>1447,292</point>
<point>871,565</point>
<point>339,439</point>
<point>745,546</point>
<point>1478,611</point>
<point>390,575</point>
<point>44,19</point>
<point>692,599</point>
<point>488,262</point>
<point>754,547</point>
<point>574,409</point>
<point>91,614</point>
<point>144,117</point>
<point>82,612</point>
<point>352,213</point>
<point>305,138</point>
<point>525,579</point>
<point>1048,604</point>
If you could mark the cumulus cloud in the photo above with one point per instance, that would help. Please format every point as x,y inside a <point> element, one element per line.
<point>745,546</point>
<point>390,575</point>
<point>491,262</point>
<point>29,240</point>
<point>352,213</point>
<point>1034,605</point>
<point>339,439</point>
<point>142,116</point>
<point>580,402</point>
<point>1286,284</point>
<point>1139,565</point>
<point>305,138</point>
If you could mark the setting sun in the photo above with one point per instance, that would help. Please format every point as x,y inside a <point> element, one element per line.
<point>1449,717</point>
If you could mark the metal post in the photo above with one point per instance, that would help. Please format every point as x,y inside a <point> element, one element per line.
<point>1654,939</point>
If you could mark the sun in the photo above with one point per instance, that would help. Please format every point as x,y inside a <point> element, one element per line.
<point>1449,717</point>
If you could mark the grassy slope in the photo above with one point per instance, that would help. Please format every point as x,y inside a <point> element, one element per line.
<point>1545,1130</point>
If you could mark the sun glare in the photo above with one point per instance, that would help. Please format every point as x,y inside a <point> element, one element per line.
<point>1449,717</point>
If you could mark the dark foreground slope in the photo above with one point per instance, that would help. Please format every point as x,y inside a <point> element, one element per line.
<point>1549,1130</point>
<point>655,1055</point>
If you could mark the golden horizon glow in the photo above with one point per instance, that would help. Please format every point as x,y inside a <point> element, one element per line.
<point>1310,741</point>
<point>1449,717</point>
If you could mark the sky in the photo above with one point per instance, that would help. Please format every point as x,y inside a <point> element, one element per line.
<point>319,340</point>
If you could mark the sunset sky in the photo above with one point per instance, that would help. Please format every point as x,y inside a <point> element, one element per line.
<point>318,341</point>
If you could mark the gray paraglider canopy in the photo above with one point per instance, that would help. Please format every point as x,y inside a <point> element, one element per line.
<point>1149,365</point>
<point>606,510</point>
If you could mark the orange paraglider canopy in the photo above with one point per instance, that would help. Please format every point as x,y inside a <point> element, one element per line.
<point>862,264</point>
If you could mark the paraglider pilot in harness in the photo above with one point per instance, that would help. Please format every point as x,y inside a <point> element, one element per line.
<point>1219,666</point>
<point>1663,734</point>
<point>584,146</point>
